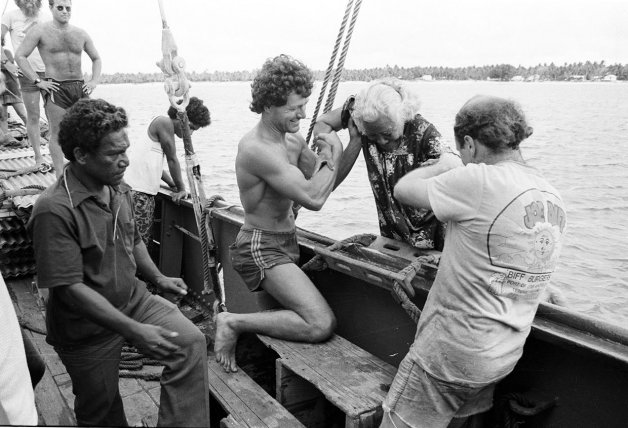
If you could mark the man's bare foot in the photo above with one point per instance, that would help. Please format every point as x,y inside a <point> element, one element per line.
<point>225,343</point>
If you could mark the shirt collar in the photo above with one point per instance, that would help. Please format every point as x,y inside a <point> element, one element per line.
<point>76,190</point>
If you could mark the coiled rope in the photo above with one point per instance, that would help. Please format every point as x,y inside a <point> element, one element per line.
<point>332,61</point>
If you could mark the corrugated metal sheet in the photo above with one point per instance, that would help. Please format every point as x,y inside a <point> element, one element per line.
<point>16,252</point>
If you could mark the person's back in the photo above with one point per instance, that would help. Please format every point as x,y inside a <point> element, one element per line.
<point>506,225</point>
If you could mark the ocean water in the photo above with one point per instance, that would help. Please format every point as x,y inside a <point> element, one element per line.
<point>580,142</point>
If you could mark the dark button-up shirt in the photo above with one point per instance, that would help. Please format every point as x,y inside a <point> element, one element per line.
<point>78,238</point>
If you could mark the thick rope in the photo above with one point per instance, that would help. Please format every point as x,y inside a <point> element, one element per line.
<point>27,170</point>
<point>34,189</point>
<point>330,67</point>
<point>341,61</point>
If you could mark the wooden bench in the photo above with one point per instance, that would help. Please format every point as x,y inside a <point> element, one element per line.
<point>246,403</point>
<point>349,377</point>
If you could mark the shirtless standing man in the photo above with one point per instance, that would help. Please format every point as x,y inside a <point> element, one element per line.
<point>17,23</point>
<point>275,168</point>
<point>60,46</point>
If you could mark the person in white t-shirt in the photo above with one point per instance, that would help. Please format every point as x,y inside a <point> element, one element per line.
<point>505,226</point>
<point>146,167</point>
<point>17,23</point>
<point>17,400</point>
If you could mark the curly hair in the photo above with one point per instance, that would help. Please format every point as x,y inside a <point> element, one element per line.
<point>498,123</point>
<point>386,98</point>
<point>277,79</point>
<point>197,112</point>
<point>86,123</point>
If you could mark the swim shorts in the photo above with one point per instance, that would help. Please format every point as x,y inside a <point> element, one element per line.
<point>256,250</point>
<point>421,400</point>
<point>27,84</point>
<point>68,93</point>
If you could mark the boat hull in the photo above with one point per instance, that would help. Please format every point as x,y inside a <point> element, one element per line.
<point>575,366</point>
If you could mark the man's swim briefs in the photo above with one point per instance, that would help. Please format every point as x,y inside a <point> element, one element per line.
<point>256,250</point>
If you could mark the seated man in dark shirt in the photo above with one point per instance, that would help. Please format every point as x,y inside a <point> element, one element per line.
<point>88,250</point>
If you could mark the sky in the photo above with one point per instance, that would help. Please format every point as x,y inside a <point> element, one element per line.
<point>232,35</point>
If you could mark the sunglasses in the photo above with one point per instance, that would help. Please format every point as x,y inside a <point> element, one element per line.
<point>67,8</point>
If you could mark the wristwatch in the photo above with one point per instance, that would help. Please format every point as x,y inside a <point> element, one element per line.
<point>36,81</point>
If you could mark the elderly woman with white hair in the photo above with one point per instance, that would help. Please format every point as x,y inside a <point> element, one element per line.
<point>384,122</point>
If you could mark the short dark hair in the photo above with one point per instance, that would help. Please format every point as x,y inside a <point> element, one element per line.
<point>498,123</point>
<point>86,123</point>
<point>197,112</point>
<point>277,79</point>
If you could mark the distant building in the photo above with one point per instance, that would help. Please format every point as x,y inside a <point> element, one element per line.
<point>609,78</point>
<point>427,77</point>
<point>517,79</point>
<point>533,78</point>
<point>578,78</point>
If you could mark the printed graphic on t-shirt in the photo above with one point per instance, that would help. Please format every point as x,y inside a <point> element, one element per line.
<point>524,239</point>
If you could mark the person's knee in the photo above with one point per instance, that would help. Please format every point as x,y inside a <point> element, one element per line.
<point>322,328</point>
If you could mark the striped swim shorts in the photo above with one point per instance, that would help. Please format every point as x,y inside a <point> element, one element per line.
<point>256,250</point>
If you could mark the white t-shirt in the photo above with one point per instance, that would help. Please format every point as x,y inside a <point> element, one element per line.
<point>17,400</point>
<point>146,165</point>
<point>505,225</point>
<point>18,25</point>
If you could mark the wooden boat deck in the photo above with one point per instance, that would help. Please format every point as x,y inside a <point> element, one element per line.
<point>53,395</point>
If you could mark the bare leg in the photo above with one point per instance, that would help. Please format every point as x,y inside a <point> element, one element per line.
<point>307,316</point>
<point>20,110</point>
<point>31,102</point>
<point>55,114</point>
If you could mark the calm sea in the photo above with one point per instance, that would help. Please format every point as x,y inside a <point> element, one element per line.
<point>580,142</point>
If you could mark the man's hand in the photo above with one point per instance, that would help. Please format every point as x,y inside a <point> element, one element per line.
<point>353,130</point>
<point>176,197</point>
<point>153,340</point>
<point>11,68</point>
<point>48,86</point>
<point>89,86</point>
<point>326,145</point>
<point>171,285</point>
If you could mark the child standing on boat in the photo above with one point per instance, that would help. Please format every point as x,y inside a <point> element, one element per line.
<point>505,225</point>
<point>275,168</point>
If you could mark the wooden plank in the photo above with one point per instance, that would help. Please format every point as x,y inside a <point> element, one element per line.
<point>52,407</point>
<point>245,400</point>
<point>350,378</point>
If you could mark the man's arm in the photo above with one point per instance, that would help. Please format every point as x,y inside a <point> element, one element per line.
<point>91,51</point>
<point>288,180</point>
<point>332,121</point>
<point>165,135</point>
<point>30,42</point>
<point>411,189</point>
<point>150,339</point>
<point>147,268</point>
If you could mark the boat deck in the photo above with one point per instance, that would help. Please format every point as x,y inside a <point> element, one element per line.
<point>53,395</point>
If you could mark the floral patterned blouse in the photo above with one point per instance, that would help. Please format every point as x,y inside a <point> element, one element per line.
<point>419,143</point>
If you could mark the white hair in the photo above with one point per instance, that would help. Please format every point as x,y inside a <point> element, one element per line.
<point>385,99</point>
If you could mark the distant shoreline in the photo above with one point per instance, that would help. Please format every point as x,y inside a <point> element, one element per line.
<point>576,72</point>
